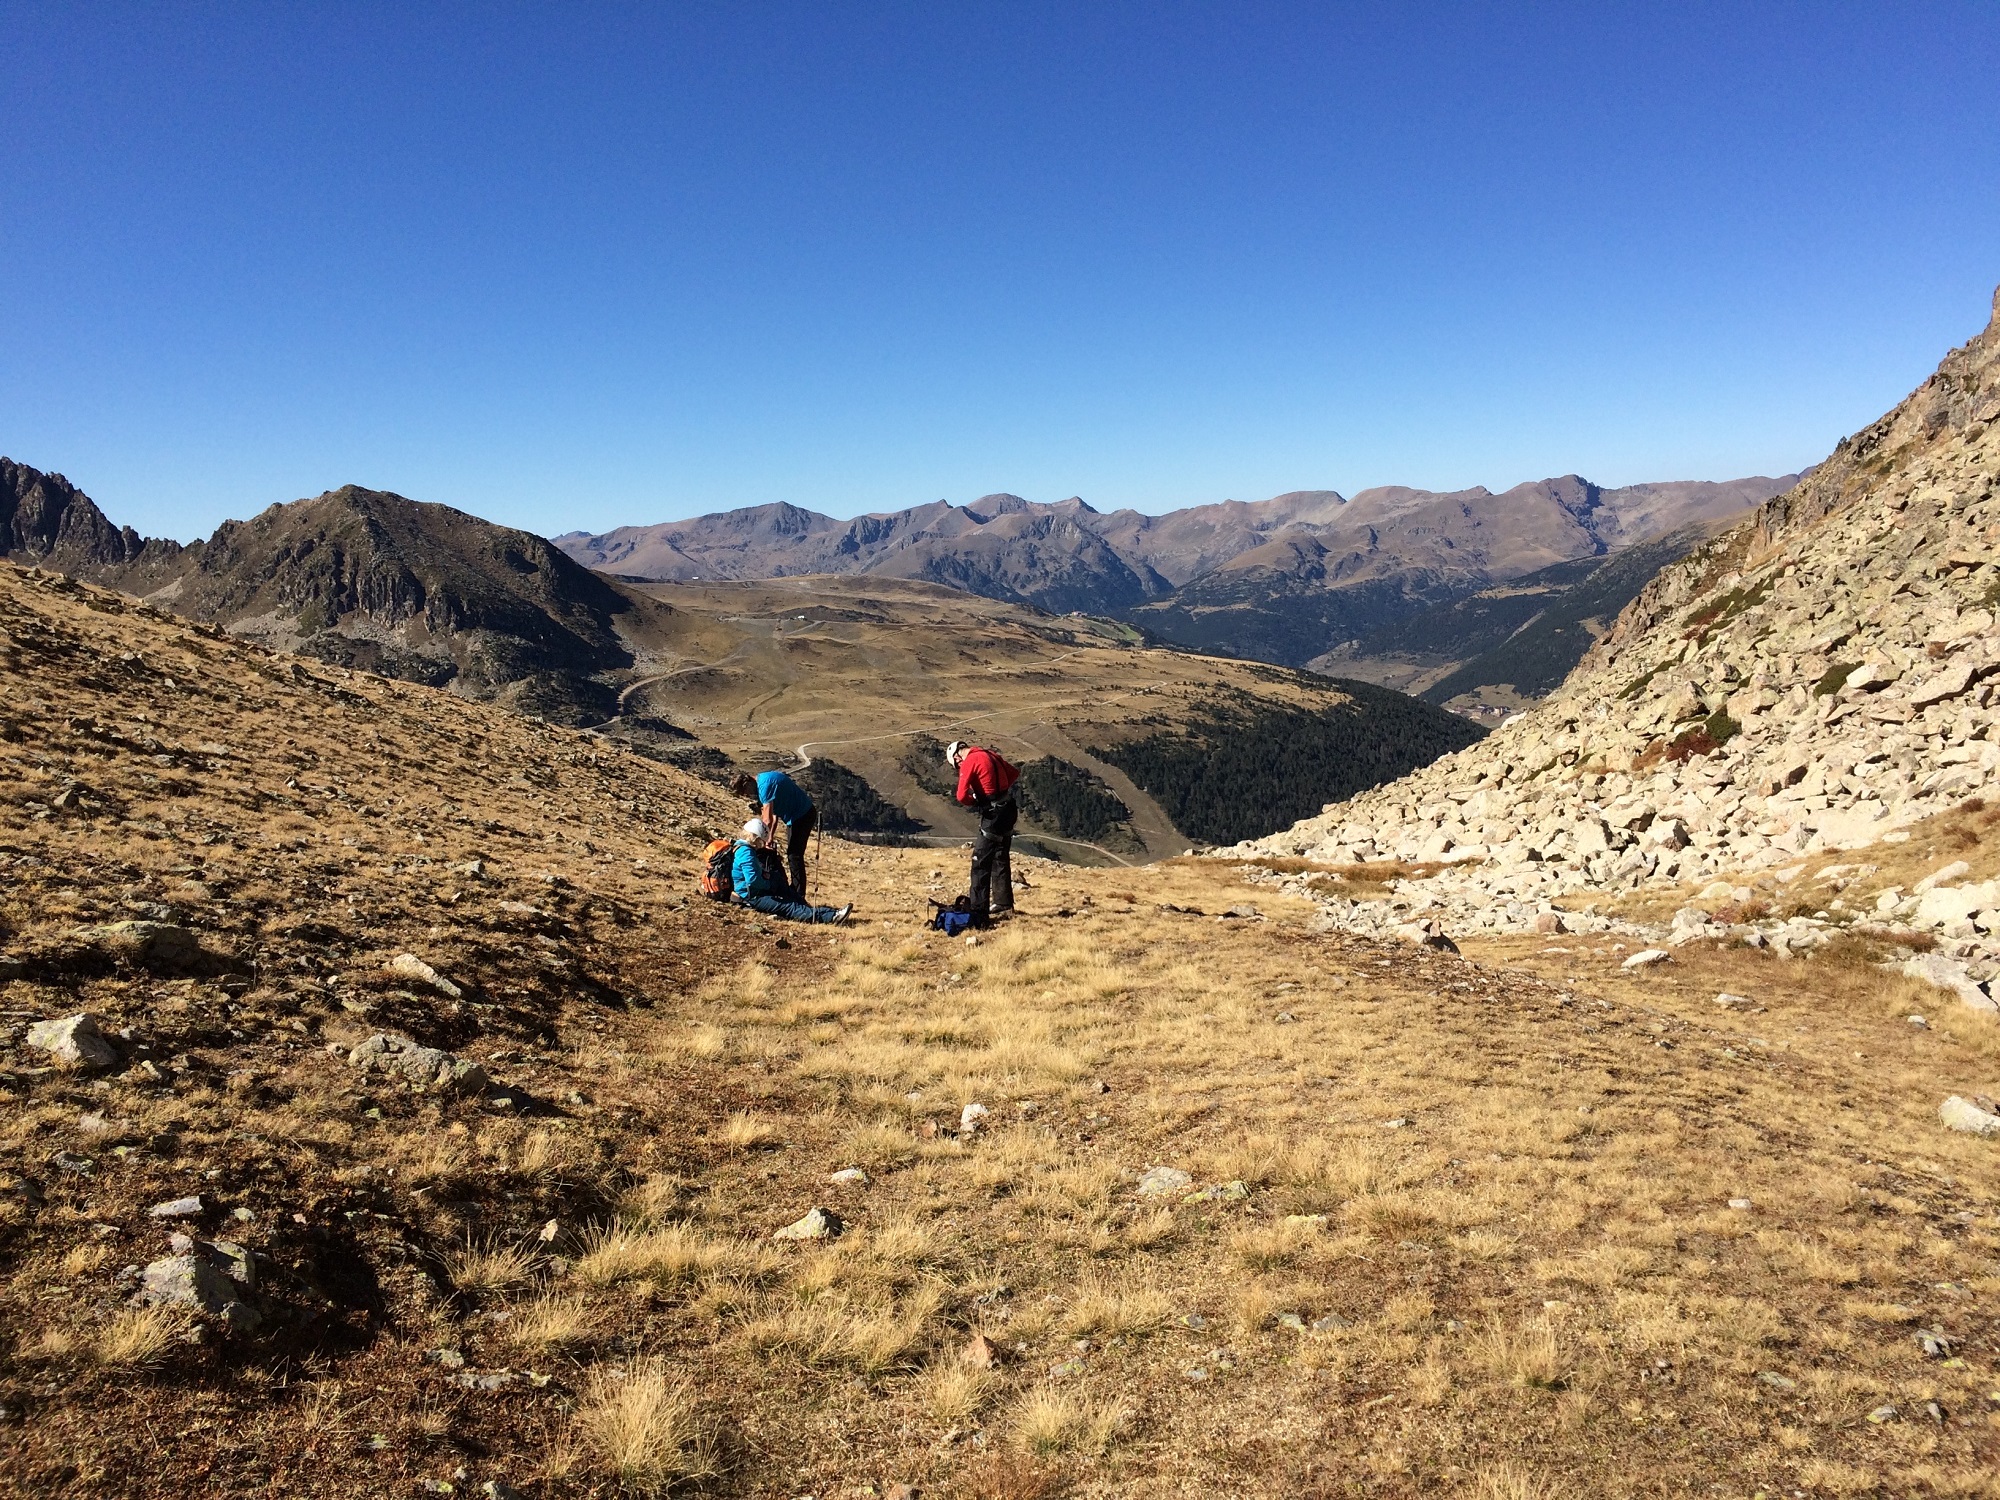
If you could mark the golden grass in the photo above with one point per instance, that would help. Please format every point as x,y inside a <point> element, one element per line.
<point>137,1338</point>
<point>641,1427</point>
<point>554,1323</point>
<point>872,1339</point>
<point>745,1130</point>
<point>1047,1421</point>
<point>1118,1309</point>
<point>1523,1356</point>
<point>1510,1481</point>
<point>491,1267</point>
<point>953,1394</point>
<point>665,1256</point>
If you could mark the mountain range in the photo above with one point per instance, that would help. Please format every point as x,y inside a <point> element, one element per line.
<point>1281,580</point>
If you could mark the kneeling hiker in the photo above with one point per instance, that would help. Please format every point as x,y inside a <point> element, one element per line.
<point>759,881</point>
<point>986,782</point>
<point>782,800</point>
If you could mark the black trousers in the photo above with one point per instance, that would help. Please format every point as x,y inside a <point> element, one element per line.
<point>796,835</point>
<point>993,859</point>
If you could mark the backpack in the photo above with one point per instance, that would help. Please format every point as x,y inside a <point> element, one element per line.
<point>953,919</point>
<point>770,868</point>
<point>716,860</point>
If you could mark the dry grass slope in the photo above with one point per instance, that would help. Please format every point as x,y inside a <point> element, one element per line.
<point>1455,1226</point>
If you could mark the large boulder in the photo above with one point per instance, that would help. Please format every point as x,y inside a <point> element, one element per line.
<point>1963,1114</point>
<point>1948,905</point>
<point>160,946</point>
<point>212,1277</point>
<point>1950,974</point>
<point>76,1041</point>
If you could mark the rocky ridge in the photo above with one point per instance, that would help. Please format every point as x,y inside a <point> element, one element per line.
<point>1275,580</point>
<point>1818,678</point>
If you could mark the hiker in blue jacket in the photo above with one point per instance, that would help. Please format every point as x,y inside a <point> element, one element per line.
<point>782,800</point>
<point>759,881</point>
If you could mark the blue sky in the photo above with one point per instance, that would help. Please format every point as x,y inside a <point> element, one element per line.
<point>574,266</point>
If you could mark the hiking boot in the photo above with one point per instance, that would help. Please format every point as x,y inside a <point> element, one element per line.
<point>840,914</point>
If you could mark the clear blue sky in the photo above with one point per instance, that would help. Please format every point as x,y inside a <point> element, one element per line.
<point>578,265</point>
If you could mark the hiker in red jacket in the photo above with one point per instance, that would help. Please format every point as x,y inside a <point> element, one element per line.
<point>986,782</point>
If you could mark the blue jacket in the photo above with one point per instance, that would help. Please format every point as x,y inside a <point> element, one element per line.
<point>784,796</point>
<point>756,872</point>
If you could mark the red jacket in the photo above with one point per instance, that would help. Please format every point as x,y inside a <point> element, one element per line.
<point>983,776</point>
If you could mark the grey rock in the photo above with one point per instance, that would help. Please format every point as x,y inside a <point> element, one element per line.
<point>1963,1114</point>
<point>818,1224</point>
<point>850,1177</point>
<point>1155,1181</point>
<point>153,945</point>
<point>409,966</point>
<point>209,1278</point>
<point>1646,958</point>
<point>179,1208</point>
<point>1949,974</point>
<point>428,1068</point>
<point>76,1041</point>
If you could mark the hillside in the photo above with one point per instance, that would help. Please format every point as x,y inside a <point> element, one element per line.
<point>857,671</point>
<point>1128,1198</point>
<point>1278,580</point>
<point>1491,654</point>
<point>1816,679</point>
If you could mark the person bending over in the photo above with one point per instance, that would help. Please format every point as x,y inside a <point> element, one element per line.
<point>986,782</point>
<point>759,881</point>
<point>782,800</point>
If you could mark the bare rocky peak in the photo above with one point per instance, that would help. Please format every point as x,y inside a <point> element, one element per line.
<point>46,521</point>
<point>1815,678</point>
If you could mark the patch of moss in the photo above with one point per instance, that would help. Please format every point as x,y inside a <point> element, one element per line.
<point>1721,611</point>
<point>1835,678</point>
<point>1640,683</point>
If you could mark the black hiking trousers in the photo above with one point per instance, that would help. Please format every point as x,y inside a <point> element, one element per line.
<point>796,835</point>
<point>993,860</point>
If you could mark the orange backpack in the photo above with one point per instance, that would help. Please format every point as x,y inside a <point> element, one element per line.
<point>717,882</point>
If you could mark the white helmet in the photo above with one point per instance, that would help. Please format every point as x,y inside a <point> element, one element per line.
<point>953,751</point>
<point>754,830</point>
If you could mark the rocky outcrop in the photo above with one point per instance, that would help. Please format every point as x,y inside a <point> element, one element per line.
<point>46,521</point>
<point>1815,679</point>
